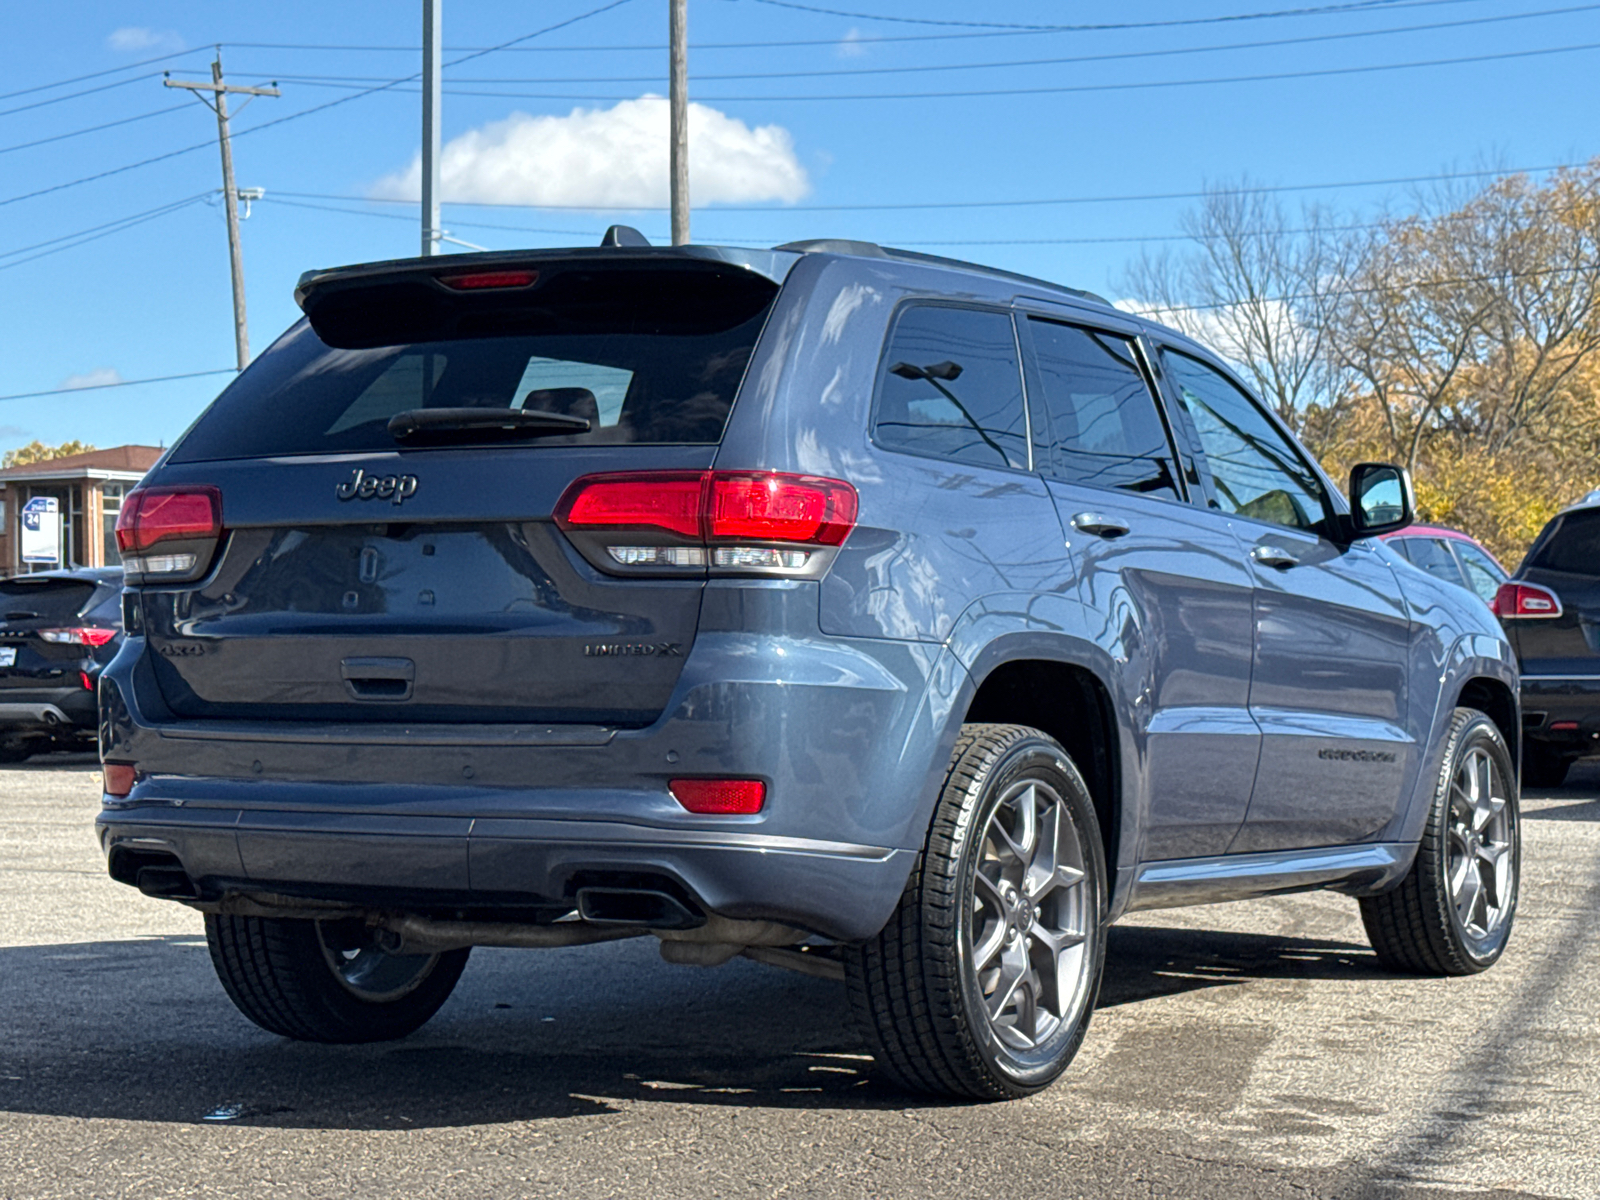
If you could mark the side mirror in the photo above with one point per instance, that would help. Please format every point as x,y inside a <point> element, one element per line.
<point>1381,500</point>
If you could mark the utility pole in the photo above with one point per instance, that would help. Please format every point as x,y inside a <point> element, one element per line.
<point>432,83</point>
<point>230,194</point>
<point>678,93</point>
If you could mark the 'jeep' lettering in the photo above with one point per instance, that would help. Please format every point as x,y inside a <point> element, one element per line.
<point>397,489</point>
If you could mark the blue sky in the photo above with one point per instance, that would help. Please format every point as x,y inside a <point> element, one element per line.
<point>152,299</point>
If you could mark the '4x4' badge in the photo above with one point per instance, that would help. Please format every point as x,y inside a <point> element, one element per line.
<point>361,486</point>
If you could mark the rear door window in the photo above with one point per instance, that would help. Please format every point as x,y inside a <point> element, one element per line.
<point>951,387</point>
<point>1105,429</point>
<point>1483,576</point>
<point>1434,557</point>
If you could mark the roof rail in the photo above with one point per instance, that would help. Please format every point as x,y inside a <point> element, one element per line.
<point>873,250</point>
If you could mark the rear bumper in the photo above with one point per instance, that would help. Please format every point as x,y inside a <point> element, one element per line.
<point>47,710</point>
<point>1562,711</point>
<point>415,863</point>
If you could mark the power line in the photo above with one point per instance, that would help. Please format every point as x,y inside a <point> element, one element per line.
<point>1277,76</point>
<point>297,115</point>
<point>95,387</point>
<point>865,40</point>
<point>1005,64</point>
<point>104,87</point>
<point>143,62</point>
<point>1320,10</point>
<point>94,234</point>
<point>61,137</point>
<point>1129,198</point>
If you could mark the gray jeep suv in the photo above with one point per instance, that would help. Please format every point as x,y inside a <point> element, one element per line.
<point>881,616</point>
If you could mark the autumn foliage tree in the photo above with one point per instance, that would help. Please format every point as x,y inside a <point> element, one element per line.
<point>38,452</point>
<point>1462,339</point>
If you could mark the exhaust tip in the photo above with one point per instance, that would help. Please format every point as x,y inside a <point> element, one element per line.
<point>636,906</point>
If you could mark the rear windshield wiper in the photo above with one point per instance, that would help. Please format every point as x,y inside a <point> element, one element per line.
<point>478,424</point>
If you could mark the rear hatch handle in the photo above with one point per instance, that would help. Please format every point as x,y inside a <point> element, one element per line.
<point>382,679</point>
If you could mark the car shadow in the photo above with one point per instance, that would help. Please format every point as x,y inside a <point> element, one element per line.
<point>141,1030</point>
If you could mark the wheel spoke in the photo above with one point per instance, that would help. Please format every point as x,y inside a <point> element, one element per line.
<point>1469,896</point>
<point>1013,966</point>
<point>1488,812</point>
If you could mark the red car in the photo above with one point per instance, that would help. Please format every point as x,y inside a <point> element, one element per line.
<point>1452,555</point>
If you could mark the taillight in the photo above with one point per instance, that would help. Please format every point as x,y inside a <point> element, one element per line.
<point>168,533</point>
<point>720,797</point>
<point>119,778</point>
<point>81,636</point>
<point>1525,600</point>
<point>767,522</point>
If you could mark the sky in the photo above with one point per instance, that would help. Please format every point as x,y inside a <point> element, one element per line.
<point>1059,138</point>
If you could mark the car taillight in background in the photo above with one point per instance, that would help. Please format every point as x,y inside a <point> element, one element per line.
<point>765,522</point>
<point>168,534</point>
<point>88,635</point>
<point>1525,600</point>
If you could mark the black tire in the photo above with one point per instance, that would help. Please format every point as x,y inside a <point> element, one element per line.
<point>1419,927</point>
<point>15,752</point>
<point>916,991</point>
<point>281,974</point>
<point>1543,766</point>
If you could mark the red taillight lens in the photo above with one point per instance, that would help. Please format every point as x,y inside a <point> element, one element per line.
<point>81,636</point>
<point>1525,600</point>
<point>720,797</point>
<point>484,280</point>
<point>715,506</point>
<point>88,684</point>
<point>665,500</point>
<point>119,778</point>
<point>151,515</point>
<point>769,507</point>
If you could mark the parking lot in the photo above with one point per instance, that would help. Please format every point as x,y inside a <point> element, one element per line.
<point>1251,1050</point>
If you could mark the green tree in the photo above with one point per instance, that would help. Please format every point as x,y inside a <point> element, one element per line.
<point>38,452</point>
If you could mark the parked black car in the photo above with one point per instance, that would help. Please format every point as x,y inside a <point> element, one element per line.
<point>57,630</point>
<point>1551,611</point>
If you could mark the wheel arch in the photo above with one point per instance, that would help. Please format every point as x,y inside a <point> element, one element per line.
<point>1496,700</point>
<point>1073,705</point>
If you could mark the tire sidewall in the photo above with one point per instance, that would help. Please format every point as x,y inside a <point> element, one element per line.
<point>1031,755</point>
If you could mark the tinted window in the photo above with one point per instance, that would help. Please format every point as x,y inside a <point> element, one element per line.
<point>1104,427</point>
<point>1483,575</point>
<point>1401,546</point>
<point>44,600</point>
<point>952,388</point>
<point>1255,471</point>
<point>637,374</point>
<point>1575,545</point>
<point>1434,557</point>
<point>107,605</point>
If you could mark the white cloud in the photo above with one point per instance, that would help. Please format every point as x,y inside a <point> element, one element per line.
<point>609,158</point>
<point>99,377</point>
<point>134,38</point>
<point>850,45</point>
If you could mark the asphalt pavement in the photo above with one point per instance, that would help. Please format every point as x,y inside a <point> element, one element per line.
<point>1247,1050</point>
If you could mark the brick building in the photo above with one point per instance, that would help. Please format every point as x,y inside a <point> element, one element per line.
<point>88,488</point>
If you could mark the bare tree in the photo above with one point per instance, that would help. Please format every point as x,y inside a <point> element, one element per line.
<point>1259,290</point>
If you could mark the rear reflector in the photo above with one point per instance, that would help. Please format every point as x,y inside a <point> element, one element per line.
<point>83,636</point>
<point>119,778</point>
<point>1525,600</point>
<point>720,797</point>
<point>485,280</point>
<point>1563,726</point>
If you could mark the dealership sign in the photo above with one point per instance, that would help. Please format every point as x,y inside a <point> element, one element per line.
<point>41,531</point>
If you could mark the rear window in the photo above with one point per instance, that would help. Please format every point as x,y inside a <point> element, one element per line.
<point>22,599</point>
<point>1574,546</point>
<point>645,356</point>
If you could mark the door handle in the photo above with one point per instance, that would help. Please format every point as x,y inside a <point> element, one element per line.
<point>1099,524</point>
<point>1274,556</point>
